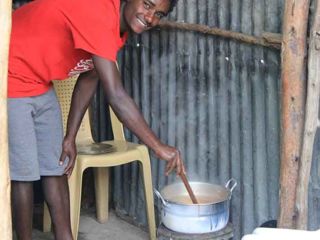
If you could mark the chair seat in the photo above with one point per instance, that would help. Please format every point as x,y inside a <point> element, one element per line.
<point>124,153</point>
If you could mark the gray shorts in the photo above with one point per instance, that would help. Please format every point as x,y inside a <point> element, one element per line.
<point>35,137</point>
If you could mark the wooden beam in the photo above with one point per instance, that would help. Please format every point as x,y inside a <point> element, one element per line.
<point>293,76</point>
<point>5,204</point>
<point>272,40</point>
<point>311,121</point>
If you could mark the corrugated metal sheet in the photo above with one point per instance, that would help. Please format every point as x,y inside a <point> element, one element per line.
<point>218,101</point>
<point>314,188</point>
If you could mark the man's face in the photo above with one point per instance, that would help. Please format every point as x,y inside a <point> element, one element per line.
<point>141,15</point>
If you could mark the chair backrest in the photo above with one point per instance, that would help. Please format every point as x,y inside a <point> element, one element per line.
<point>64,90</point>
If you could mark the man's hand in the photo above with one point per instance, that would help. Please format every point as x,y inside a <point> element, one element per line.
<point>68,150</point>
<point>172,155</point>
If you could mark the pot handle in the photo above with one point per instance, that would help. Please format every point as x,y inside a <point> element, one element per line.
<point>231,184</point>
<point>157,193</point>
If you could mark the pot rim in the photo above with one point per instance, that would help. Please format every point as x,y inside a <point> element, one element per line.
<point>227,188</point>
<point>194,204</point>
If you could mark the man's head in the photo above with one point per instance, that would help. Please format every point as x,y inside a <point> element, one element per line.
<point>141,15</point>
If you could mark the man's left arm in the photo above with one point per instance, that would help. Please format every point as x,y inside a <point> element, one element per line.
<point>83,91</point>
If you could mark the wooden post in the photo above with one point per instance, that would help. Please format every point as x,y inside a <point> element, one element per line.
<point>311,121</point>
<point>293,78</point>
<point>5,205</point>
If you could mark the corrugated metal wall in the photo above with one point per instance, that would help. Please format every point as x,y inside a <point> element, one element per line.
<point>314,187</point>
<point>218,101</point>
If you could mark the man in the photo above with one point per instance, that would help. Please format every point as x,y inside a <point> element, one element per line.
<point>51,40</point>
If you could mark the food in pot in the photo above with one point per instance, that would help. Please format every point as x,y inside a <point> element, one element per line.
<point>207,199</point>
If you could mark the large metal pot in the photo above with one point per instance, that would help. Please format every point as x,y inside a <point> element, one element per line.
<point>179,214</point>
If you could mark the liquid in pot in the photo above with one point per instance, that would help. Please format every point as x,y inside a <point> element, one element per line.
<point>185,199</point>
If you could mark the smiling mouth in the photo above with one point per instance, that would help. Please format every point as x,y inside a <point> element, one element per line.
<point>143,23</point>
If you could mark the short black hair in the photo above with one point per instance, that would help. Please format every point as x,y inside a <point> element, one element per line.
<point>173,3</point>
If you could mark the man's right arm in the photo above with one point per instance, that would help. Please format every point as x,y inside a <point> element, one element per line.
<point>130,115</point>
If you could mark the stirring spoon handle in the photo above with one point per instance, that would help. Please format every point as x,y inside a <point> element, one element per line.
<point>188,187</point>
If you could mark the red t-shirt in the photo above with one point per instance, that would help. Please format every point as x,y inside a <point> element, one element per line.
<point>54,39</point>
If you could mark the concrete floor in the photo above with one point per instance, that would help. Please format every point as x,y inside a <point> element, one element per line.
<point>90,229</point>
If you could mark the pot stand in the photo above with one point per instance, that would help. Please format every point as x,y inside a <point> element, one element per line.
<point>164,233</point>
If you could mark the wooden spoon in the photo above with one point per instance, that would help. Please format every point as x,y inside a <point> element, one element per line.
<point>189,189</point>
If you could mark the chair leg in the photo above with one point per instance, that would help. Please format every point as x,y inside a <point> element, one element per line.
<point>46,218</point>
<point>101,184</point>
<point>75,186</point>
<point>148,191</point>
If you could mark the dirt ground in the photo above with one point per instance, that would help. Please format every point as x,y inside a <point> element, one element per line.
<point>90,229</point>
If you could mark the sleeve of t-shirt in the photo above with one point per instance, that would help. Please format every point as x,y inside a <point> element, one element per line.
<point>93,24</point>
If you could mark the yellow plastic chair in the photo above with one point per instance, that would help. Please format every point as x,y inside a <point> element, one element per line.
<point>125,152</point>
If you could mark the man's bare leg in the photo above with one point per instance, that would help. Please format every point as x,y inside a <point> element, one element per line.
<point>56,194</point>
<point>22,207</point>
